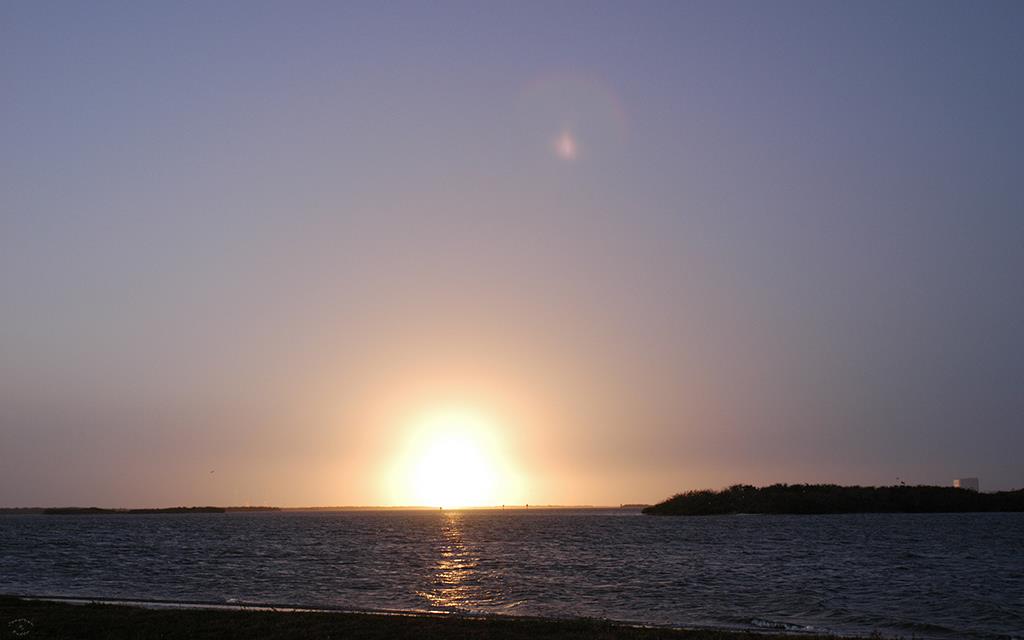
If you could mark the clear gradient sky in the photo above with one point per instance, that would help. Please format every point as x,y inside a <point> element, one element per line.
<point>245,247</point>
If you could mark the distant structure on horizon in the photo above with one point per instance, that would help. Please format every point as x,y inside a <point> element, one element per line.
<point>971,484</point>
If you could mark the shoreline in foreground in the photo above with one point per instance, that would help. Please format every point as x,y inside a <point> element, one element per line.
<point>51,618</point>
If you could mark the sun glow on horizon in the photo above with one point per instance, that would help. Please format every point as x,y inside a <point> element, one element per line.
<point>453,460</point>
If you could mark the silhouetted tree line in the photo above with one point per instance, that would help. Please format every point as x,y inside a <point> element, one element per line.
<point>831,498</point>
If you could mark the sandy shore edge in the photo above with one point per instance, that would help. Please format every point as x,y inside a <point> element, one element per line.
<point>49,616</point>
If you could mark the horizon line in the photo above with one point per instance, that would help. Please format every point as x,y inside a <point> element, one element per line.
<point>350,507</point>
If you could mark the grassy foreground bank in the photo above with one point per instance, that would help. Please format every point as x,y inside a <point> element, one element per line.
<point>37,620</point>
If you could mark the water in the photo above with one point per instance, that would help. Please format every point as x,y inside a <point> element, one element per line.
<point>921,575</point>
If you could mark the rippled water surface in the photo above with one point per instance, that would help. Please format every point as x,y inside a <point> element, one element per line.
<point>923,575</point>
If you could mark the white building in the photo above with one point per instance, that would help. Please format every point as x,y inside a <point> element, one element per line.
<point>971,484</point>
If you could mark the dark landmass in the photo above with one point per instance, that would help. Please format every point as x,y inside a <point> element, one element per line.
<point>500,507</point>
<point>88,511</point>
<point>831,498</point>
<point>85,511</point>
<point>247,509</point>
<point>36,619</point>
<point>359,508</point>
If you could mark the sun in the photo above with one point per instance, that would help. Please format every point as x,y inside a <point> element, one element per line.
<point>453,471</point>
<point>453,460</point>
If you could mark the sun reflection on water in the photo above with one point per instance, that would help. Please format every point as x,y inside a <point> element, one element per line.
<point>456,582</point>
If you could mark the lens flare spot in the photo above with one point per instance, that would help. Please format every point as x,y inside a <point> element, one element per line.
<point>565,146</point>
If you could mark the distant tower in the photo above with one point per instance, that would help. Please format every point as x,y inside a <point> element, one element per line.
<point>971,484</point>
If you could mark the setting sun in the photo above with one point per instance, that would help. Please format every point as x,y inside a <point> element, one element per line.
<point>453,460</point>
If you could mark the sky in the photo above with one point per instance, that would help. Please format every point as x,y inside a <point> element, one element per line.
<point>561,253</point>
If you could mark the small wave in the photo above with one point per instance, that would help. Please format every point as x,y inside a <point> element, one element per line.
<point>922,627</point>
<point>781,626</point>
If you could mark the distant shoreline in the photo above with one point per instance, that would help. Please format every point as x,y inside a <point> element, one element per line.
<point>89,511</point>
<point>214,509</point>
